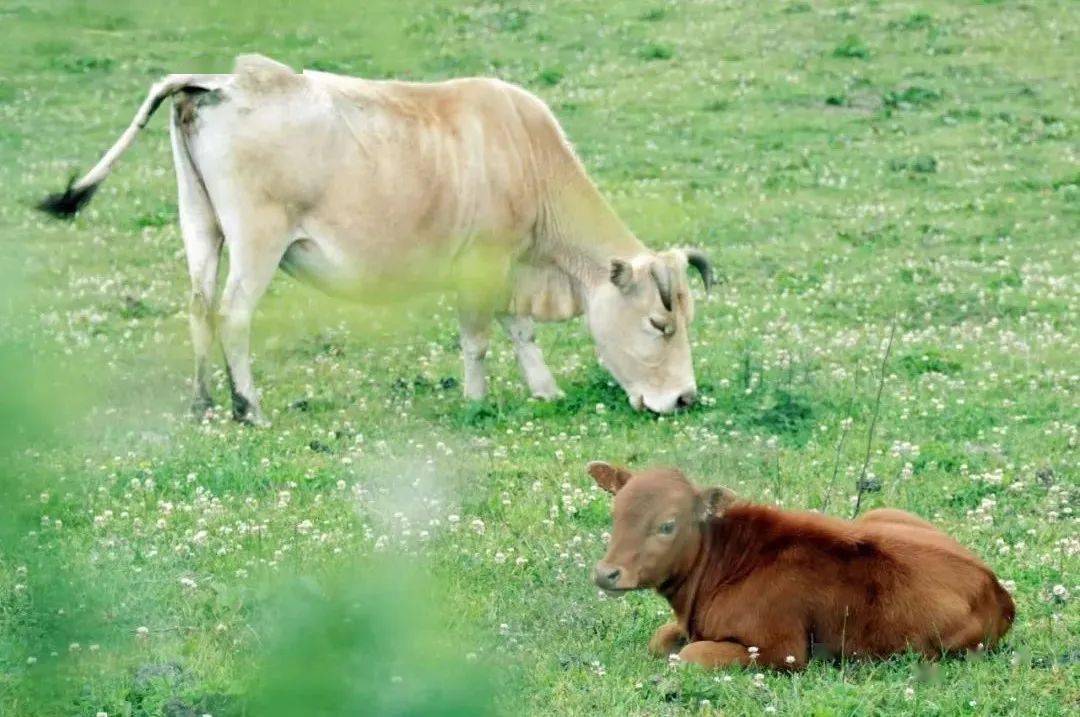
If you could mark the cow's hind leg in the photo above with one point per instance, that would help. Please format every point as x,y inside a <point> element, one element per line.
<point>530,358</point>
<point>202,244</point>
<point>257,238</point>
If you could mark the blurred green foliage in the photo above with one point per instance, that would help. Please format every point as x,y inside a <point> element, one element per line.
<point>847,165</point>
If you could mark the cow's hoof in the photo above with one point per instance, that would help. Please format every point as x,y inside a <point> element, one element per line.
<point>201,406</point>
<point>549,394</point>
<point>250,415</point>
<point>255,420</point>
<point>475,395</point>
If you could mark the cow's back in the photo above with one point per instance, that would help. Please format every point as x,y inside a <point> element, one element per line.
<point>382,171</point>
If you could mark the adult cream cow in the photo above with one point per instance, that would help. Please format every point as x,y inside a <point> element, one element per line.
<point>359,186</point>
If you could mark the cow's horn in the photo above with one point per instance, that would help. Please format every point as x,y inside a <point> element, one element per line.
<point>699,261</point>
<point>662,274</point>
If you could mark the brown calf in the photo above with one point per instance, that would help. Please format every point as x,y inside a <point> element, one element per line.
<point>751,584</point>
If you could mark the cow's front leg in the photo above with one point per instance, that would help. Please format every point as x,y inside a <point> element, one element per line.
<point>530,358</point>
<point>667,640</point>
<point>475,337</point>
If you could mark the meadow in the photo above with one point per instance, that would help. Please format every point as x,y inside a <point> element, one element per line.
<point>890,191</point>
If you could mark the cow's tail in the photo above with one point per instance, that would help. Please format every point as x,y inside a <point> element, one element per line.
<point>65,204</point>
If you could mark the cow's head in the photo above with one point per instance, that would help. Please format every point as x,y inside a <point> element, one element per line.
<point>660,517</point>
<point>640,319</point>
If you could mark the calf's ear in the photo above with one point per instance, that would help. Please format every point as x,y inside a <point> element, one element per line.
<point>714,502</point>
<point>610,478</point>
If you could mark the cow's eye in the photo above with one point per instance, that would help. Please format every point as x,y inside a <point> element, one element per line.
<point>667,527</point>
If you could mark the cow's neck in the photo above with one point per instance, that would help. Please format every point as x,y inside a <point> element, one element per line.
<point>580,232</point>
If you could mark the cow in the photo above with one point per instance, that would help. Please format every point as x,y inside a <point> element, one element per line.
<point>755,585</point>
<point>364,188</point>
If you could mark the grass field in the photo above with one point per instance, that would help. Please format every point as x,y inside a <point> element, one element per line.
<point>388,548</point>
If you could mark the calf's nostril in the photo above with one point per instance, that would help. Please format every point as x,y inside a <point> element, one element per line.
<point>607,576</point>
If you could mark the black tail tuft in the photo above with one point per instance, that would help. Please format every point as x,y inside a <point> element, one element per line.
<point>66,204</point>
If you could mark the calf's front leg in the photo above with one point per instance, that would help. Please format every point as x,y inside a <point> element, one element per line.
<point>667,640</point>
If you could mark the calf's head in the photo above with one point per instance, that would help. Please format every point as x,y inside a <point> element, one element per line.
<point>640,319</point>
<point>659,520</point>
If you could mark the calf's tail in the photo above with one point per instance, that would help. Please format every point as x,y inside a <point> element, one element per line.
<point>65,204</point>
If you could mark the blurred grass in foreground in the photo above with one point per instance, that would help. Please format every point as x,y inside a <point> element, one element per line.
<point>351,638</point>
<point>365,640</point>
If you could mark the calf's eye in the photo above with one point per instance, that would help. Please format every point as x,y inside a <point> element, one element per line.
<point>667,528</point>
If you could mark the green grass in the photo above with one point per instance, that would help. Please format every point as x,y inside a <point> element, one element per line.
<point>848,167</point>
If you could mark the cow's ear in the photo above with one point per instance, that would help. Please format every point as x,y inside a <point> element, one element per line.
<point>714,502</point>
<point>610,478</point>
<point>622,273</point>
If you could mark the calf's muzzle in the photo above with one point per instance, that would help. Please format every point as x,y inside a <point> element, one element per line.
<point>606,576</point>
